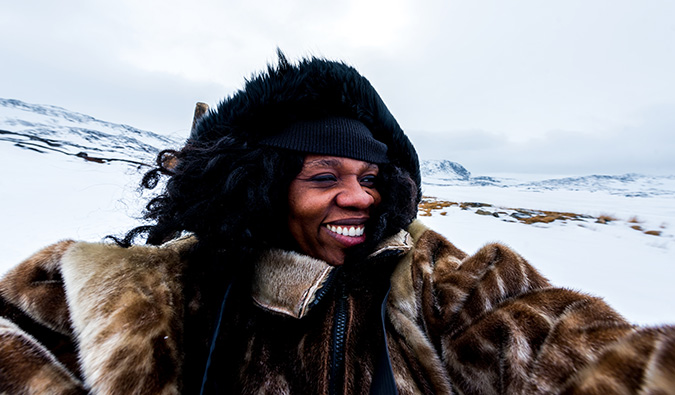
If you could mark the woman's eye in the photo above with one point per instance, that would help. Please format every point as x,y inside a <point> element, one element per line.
<point>369,181</point>
<point>324,178</point>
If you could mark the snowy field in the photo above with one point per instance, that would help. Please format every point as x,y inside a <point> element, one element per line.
<point>48,197</point>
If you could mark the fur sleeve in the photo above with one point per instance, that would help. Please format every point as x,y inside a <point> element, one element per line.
<point>497,326</point>
<point>27,367</point>
<point>126,310</point>
<point>37,353</point>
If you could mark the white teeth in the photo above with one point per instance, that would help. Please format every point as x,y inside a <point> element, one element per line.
<point>352,231</point>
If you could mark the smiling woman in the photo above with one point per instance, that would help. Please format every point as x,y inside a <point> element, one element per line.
<point>283,256</point>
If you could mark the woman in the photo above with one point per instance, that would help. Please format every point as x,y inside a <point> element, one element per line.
<point>283,257</point>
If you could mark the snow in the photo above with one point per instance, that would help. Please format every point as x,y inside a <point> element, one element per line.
<point>46,197</point>
<point>51,128</point>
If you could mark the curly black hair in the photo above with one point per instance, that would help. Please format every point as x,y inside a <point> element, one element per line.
<point>234,198</point>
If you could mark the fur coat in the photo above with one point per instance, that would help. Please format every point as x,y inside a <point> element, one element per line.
<point>79,317</point>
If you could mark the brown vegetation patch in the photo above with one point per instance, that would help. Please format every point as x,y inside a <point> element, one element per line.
<point>526,216</point>
<point>544,218</point>
<point>86,157</point>
<point>468,205</point>
<point>605,219</point>
<point>484,212</point>
<point>429,203</point>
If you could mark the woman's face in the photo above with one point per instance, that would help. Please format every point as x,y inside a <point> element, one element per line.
<point>329,203</point>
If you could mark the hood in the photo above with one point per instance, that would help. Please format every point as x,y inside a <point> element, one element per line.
<point>311,89</point>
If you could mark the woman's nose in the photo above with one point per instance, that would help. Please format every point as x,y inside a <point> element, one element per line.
<point>354,195</point>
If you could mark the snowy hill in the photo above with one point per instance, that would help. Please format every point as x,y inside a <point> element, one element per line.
<point>49,128</point>
<point>611,236</point>
<point>443,170</point>
<point>447,173</point>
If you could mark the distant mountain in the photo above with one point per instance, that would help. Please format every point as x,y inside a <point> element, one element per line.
<point>444,170</point>
<point>630,185</point>
<point>47,128</point>
<point>448,173</point>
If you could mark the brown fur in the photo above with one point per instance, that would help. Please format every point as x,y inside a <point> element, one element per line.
<point>36,286</point>
<point>26,366</point>
<point>482,324</point>
<point>293,299</point>
<point>126,306</point>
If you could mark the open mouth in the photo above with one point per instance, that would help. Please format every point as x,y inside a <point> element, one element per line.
<point>347,230</point>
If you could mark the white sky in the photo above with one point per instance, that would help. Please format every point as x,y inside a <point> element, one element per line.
<point>566,87</point>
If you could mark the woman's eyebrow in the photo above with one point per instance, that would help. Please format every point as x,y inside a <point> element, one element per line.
<point>321,163</point>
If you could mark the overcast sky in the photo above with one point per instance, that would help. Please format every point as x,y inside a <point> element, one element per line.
<point>559,87</point>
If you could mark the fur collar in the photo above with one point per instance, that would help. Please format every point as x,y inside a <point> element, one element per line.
<point>290,283</point>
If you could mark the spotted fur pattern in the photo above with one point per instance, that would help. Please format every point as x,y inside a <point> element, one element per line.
<point>80,317</point>
<point>491,324</point>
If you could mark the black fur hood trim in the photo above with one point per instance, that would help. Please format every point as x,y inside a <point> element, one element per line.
<point>313,88</point>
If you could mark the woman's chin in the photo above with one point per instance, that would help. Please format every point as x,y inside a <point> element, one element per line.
<point>335,260</point>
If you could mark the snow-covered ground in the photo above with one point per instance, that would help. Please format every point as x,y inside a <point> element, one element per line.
<point>47,197</point>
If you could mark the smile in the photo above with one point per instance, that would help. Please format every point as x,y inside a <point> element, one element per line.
<point>351,231</point>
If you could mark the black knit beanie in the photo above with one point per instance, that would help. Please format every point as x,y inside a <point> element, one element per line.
<point>335,136</point>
